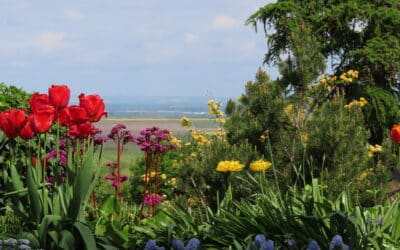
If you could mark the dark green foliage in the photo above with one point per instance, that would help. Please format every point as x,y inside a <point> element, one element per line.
<point>12,97</point>
<point>336,151</point>
<point>381,112</point>
<point>355,34</point>
<point>258,110</point>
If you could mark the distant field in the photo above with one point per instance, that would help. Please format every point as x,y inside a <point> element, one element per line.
<point>135,125</point>
<point>172,124</point>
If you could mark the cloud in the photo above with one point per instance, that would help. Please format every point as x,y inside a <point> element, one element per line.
<point>191,38</point>
<point>73,15</point>
<point>50,41</point>
<point>224,22</point>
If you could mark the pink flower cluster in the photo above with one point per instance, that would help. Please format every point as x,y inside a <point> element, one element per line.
<point>151,140</point>
<point>152,199</point>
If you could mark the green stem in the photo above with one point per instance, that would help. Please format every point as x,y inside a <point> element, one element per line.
<point>273,164</point>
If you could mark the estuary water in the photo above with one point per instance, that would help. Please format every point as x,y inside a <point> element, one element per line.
<point>159,107</point>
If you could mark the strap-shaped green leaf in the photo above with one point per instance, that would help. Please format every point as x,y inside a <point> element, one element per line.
<point>86,235</point>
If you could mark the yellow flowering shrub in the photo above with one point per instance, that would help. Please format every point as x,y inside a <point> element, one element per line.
<point>374,149</point>
<point>361,103</point>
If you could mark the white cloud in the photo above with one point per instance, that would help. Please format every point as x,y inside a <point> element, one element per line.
<point>73,15</point>
<point>50,41</point>
<point>224,22</point>
<point>191,38</point>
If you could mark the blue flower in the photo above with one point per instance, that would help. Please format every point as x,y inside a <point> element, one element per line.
<point>24,241</point>
<point>177,245</point>
<point>313,246</point>
<point>10,241</point>
<point>261,243</point>
<point>290,242</point>
<point>152,245</point>
<point>269,245</point>
<point>337,243</point>
<point>193,244</point>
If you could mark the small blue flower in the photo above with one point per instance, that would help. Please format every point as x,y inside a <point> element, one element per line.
<point>313,246</point>
<point>337,243</point>
<point>24,247</point>
<point>269,245</point>
<point>290,242</point>
<point>177,245</point>
<point>260,238</point>
<point>24,241</point>
<point>152,245</point>
<point>193,244</point>
<point>10,241</point>
<point>261,243</point>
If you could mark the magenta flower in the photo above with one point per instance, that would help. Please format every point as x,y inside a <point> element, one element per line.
<point>152,199</point>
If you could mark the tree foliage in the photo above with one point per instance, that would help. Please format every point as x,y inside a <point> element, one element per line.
<point>355,34</point>
<point>12,97</point>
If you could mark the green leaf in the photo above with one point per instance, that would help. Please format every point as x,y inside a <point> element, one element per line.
<point>45,227</point>
<point>16,179</point>
<point>86,234</point>
<point>36,206</point>
<point>67,240</point>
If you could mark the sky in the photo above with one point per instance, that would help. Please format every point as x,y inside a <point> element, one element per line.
<point>131,47</point>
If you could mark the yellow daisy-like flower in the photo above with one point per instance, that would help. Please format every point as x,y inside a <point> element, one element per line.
<point>229,166</point>
<point>260,165</point>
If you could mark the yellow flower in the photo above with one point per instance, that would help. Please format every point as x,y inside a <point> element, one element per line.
<point>362,102</point>
<point>304,137</point>
<point>185,122</point>
<point>262,138</point>
<point>164,176</point>
<point>374,149</point>
<point>174,140</point>
<point>191,201</point>
<point>288,109</point>
<point>229,166</point>
<point>173,181</point>
<point>260,165</point>
<point>193,154</point>
<point>363,175</point>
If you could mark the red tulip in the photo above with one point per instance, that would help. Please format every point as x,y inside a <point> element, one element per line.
<point>94,106</point>
<point>34,161</point>
<point>27,132</point>
<point>59,96</point>
<point>38,102</point>
<point>73,115</point>
<point>395,133</point>
<point>43,119</point>
<point>81,130</point>
<point>12,121</point>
